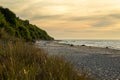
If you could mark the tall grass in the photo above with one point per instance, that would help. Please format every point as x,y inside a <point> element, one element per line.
<point>22,61</point>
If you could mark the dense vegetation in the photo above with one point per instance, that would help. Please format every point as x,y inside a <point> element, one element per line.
<point>20,60</point>
<point>15,27</point>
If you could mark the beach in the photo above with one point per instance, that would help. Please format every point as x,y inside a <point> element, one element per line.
<point>103,63</point>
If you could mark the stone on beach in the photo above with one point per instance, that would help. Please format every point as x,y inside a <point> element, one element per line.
<point>103,63</point>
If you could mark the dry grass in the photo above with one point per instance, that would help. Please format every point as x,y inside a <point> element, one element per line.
<point>22,61</point>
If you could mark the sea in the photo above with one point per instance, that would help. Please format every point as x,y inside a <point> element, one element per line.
<point>113,44</point>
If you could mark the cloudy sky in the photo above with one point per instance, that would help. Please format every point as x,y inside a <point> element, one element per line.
<point>71,19</point>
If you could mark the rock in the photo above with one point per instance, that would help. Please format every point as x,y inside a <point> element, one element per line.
<point>83,45</point>
<point>71,45</point>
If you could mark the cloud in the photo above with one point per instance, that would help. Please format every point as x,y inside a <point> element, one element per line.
<point>95,17</point>
<point>117,15</point>
<point>103,23</point>
<point>73,19</point>
<point>98,20</point>
<point>82,18</point>
<point>47,17</point>
<point>107,20</point>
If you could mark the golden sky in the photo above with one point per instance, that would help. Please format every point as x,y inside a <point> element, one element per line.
<point>71,19</point>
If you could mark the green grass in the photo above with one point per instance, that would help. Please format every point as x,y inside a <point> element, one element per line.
<point>22,61</point>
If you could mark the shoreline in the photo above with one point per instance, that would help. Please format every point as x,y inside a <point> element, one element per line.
<point>100,62</point>
<point>56,42</point>
<point>111,44</point>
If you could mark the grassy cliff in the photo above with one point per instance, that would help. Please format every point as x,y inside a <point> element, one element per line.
<point>15,27</point>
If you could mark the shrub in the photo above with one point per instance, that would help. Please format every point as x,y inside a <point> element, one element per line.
<point>22,61</point>
<point>9,15</point>
<point>16,27</point>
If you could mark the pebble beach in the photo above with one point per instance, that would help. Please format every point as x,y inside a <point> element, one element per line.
<point>102,63</point>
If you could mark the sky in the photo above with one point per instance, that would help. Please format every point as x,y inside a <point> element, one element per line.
<point>71,19</point>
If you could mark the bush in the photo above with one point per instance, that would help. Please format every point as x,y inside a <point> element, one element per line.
<point>3,34</point>
<point>9,15</point>
<point>22,61</point>
<point>16,27</point>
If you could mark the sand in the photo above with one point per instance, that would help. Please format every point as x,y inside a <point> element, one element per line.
<point>103,63</point>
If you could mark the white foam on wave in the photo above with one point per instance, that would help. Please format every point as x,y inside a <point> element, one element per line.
<point>113,44</point>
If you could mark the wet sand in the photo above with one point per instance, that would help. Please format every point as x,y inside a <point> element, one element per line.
<point>103,63</point>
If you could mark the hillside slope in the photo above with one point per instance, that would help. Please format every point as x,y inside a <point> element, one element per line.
<point>19,28</point>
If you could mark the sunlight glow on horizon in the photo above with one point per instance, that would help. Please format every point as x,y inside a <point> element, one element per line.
<point>73,19</point>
